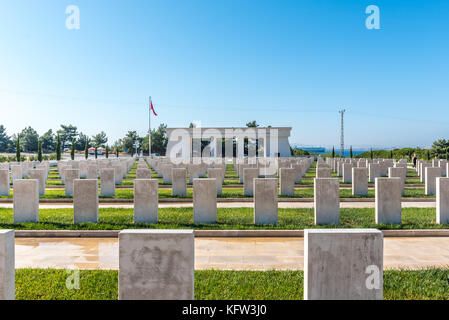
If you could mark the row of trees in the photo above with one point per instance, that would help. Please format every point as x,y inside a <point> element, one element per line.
<point>133,143</point>
<point>402,153</point>
<point>68,135</point>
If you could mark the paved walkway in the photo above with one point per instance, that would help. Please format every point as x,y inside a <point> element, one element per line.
<point>292,205</point>
<point>223,253</point>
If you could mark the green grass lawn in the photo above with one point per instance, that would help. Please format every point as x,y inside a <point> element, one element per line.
<point>50,284</point>
<point>228,193</point>
<point>227,219</point>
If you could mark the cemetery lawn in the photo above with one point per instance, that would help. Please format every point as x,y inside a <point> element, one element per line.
<point>50,284</point>
<point>227,193</point>
<point>227,219</point>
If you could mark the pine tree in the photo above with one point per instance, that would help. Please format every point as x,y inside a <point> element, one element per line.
<point>116,152</point>
<point>86,149</point>
<point>107,152</point>
<point>96,152</point>
<point>58,148</point>
<point>39,150</point>
<point>350,152</point>
<point>391,154</point>
<point>18,149</point>
<point>72,150</point>
<point>428,155</point>
<point>333,152</point>
<point>371,153</point>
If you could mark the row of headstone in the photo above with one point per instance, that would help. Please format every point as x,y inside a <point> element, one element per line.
<point>339,264</point>
<point>146,198</point>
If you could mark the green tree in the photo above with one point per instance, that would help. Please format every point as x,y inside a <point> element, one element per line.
<point>96,152</point>
<point>86,149</point>
<point>130,142</point>
<point>252,124</point>
<point>29,139</point>
<point>350,152</point>
<point>333,152</point>
<point>39,151</point>
<point>371,154</point>
<point>67,134</point>
<point>391,154</point>
<point>72,149</point>
<point>5,140</point>
<point>48,141</point>
<point>18,149</point>
<point>80,143</point>
<point>107,152</point>
<point>440,148</point>
<point>58,148</point>
<point>428,155</point>
<point>100,139</point>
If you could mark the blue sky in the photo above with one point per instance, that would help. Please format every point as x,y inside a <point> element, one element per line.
<point>282,63</point>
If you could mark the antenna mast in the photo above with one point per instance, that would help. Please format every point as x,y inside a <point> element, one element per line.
<point>342,133</point>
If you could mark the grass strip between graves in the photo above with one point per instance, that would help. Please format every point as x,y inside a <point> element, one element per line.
<point>50,284</point>
<point>227,219</point>
<point>227,193</point>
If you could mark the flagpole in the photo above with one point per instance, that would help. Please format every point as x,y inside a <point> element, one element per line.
<point>149,132</point>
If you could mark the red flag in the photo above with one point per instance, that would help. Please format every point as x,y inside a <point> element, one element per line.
<point>152,109</point>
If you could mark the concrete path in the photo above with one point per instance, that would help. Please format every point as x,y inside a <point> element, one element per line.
<point>223,253</point>
<point>282,205</point>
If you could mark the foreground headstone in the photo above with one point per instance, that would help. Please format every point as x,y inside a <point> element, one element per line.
<point>92,172</point>
<point>194,172</point>
<point>179,182</point>
<point>360,181</point>
<point>388,200</point>
<point>118,173</point>
<point>204,200</point>
<point>442,200</point>
<point>422,171</point>
<point>4,182</point>
<point>399,172</point>
<point>146,200</point>
<point>107,182</point>
<point>347,173</point>
<point>70,176</point>
<point>216,173</point>
<point>85,200</point>
<point>287,181</point>
<point>431,174</point>
<point>249,174</point>
<point>7,265</point>
<point>374,171</point>
<point>16,173</point>
<point>26,200</point>
<point>343,264</point>
<point>323,172</point>
<point>327,201</point>
<point>156,265</point>
<point>39,175</point>
<point>265,200</point>
<point>143,173</point>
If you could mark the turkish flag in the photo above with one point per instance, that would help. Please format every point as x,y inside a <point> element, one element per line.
<point>152,109</point>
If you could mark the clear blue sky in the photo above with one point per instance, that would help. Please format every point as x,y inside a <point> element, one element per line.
<point>226,62</point>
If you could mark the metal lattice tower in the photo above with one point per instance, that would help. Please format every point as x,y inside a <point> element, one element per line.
<point>342,132</point>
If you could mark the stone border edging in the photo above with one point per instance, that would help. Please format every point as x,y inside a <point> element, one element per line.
<point>218,233</point>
